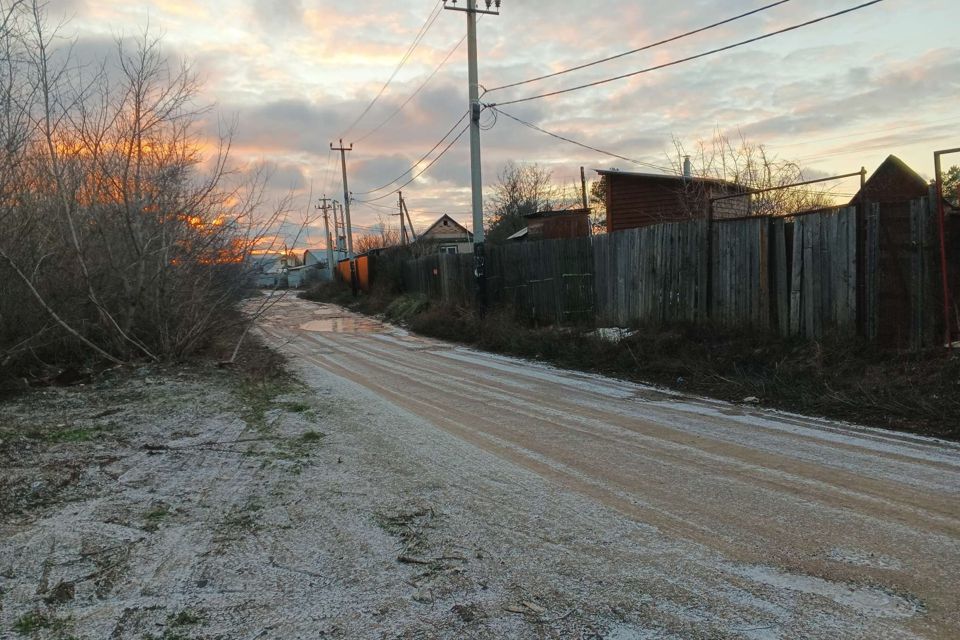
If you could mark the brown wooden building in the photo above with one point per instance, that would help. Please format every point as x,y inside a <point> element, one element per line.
<point>553,225</point>
<point>642,199</point>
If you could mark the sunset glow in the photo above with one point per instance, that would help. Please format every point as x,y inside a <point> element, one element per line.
<point>834,96</point>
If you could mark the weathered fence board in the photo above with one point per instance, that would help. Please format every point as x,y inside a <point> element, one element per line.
<point>739,276</point>
<point>794,276</point>
<point>824,291</point>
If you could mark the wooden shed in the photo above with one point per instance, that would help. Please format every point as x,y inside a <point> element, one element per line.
<point>554,225</point>
<point>642,199</point>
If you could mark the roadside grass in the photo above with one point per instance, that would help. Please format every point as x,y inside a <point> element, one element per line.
<point>187,617</point>
<point>241,519</point>
<point>37,621</point>
<point>178,626</point>
<point>838,377</point>
<point>154,517</point>
<point>258,396</point>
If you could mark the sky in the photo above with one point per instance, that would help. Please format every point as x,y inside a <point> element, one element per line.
<point>296,74</point>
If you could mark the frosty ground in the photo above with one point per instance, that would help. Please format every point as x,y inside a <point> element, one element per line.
<point>396,487</point>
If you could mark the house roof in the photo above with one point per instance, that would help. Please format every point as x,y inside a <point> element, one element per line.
<point>669,177</point>
<point>881,181</point>
<point>452,223</point>
<point>552,214</point>
<point>519,235</point>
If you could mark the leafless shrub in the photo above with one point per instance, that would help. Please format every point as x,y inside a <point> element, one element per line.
<point>753,167</point>
<point>117,242</point>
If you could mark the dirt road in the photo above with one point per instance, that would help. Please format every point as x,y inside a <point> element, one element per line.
<point>685,517</point>
<point>401,488</point>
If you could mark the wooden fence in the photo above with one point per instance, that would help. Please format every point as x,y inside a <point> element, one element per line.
<point>830,271</point>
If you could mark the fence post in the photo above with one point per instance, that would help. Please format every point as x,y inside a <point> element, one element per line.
<point>917,293</point>
<point>871,276</point>
<point>708,264</point>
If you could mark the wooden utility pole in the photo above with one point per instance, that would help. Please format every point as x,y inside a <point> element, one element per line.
<point>476,183</point>
<point>583,190</point>
<point>325,207</point>
<point>337,228</point>
<point>346,209</point>
<point>403,227</point>
<point>413,234</point>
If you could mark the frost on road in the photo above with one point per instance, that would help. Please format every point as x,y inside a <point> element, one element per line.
<point>408,488</point>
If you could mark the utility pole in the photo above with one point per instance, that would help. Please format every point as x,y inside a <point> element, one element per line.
<point>324,207</point>
<point>403,227</point>
<point>337,226</point>
<point>586,203</point>
<point>413,234</point>
<point>346,207</point>
<point>476,182</point>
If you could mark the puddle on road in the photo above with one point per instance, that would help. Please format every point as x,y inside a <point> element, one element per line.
<point>342,325</point>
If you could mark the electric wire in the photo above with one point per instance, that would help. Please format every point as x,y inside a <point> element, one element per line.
<point>393,210</point>
<point>413,95</point>
<point>580,144</point>
<point>646,47</point>
<point>434,14</point>
<point>328,172</point>
<point>696,56</point>
<point>424,170</point>
<point>417,163</point>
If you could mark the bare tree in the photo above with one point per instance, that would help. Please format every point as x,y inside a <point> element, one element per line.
<point>752,167</point>
<point>522,190</point>
<point>118,242</point>
<point>381,237</point>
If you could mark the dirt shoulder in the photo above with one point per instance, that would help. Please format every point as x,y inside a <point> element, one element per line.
<point>197,503</point>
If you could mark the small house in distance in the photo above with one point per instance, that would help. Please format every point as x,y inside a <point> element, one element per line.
<point>553,225</point>
<point>446,235</point>
<point>642,199</point>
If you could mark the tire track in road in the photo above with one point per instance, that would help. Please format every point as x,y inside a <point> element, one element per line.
<point>793,499</point>
<point>658,444</point>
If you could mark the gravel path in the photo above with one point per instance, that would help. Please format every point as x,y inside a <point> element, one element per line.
<point>406,488</point>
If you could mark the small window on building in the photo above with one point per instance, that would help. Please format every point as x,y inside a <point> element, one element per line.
<point>446,223</point>
<point>448,248</point>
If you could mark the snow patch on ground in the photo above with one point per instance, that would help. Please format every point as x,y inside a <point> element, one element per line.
<point>865,600</point>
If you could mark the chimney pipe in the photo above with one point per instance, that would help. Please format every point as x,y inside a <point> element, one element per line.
<point>687,170</point>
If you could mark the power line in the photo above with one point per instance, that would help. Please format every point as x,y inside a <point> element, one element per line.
<point>425,169</point>
<point>417,163</point>
<point>392,210</point>
<point>580,144</point>
<point>434,14</point>
<point>328,171</point>
<point>643,48</point>
<point>414,94</point>
<point>695,57</point>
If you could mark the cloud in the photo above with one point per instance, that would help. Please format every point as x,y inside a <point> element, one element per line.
<point>296,74</point>
<point>278,15</point>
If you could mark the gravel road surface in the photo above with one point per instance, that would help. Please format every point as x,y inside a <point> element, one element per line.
<point>681,517</point>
